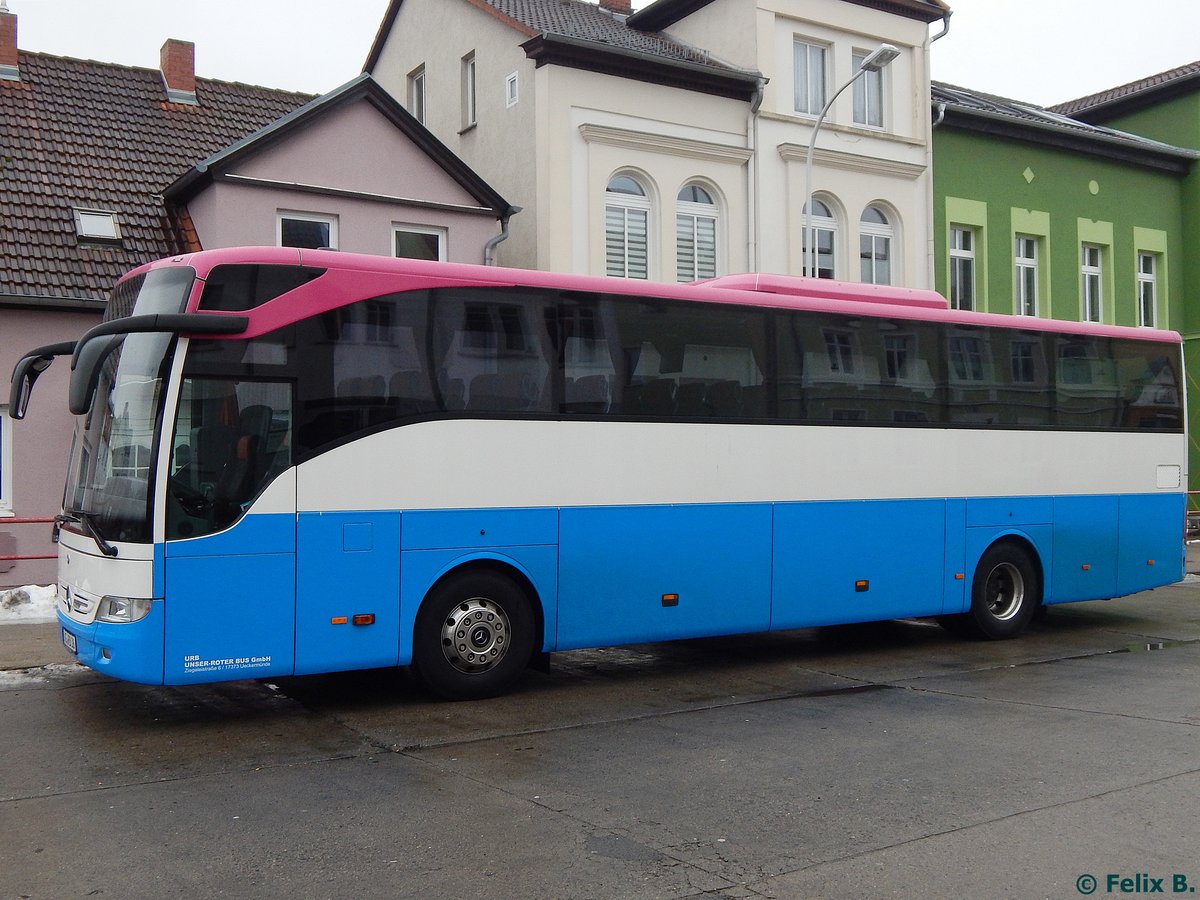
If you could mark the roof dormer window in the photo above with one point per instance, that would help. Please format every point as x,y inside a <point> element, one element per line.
<point>97,226</point>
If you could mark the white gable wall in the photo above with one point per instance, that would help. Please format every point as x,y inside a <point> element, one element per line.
<point>437,34</point>
<point>575,129</point>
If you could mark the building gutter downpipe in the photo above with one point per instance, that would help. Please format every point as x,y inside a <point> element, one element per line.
<point>489,249</point>
<point>752,178</point>
<point>945,27</point>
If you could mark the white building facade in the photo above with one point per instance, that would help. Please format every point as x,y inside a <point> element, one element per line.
<point>670,144</point>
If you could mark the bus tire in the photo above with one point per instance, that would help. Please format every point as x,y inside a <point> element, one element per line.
<point>473,635</point>
<point>1005,593</point>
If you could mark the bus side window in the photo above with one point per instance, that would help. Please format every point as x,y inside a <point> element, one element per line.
<point>492,350</point>
<point>217,474</point>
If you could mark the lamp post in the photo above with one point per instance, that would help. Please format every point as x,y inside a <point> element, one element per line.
<point>874,62</point>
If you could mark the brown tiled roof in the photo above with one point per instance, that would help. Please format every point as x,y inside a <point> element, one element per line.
<point>582,23</point>
<point>1134,94</point>
<point>588,22</point>
<point>84,134</point>
<point>665,13</point>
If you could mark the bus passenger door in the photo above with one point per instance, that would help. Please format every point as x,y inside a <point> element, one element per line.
<point>230,551</point>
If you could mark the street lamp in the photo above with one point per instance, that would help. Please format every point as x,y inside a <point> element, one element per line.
<point>874,62</point>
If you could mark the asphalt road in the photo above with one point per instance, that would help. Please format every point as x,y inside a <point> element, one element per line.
<point>886,760</point>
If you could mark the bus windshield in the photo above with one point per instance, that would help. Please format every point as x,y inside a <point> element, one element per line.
<point>112,457</point>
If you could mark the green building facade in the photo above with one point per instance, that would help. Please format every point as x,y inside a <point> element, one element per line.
<point>1166,107</point>
<point>1039,214</point>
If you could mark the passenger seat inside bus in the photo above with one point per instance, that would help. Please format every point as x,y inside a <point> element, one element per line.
<point>651,398</point>
<point>503,392</point>
<point>587,395</point>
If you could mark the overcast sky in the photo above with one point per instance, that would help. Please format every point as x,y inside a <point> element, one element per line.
<point>1040,51</point>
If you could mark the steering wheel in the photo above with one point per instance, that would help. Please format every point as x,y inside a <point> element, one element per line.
<point>194,501</point>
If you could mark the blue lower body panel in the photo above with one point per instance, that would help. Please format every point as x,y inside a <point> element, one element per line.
<point>656,573</point>
<point>1151,552</point>
<point>857,561</point>
<point>230,617</point>
<point>347,565</point>
<point>275,595</point>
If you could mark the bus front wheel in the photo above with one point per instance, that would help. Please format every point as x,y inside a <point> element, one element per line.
<point>473,636</point>
<point>1005,593</point>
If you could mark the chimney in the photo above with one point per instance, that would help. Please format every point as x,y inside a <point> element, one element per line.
<point>177,59</point>
<point>619,7</point>
<point>8,44</point>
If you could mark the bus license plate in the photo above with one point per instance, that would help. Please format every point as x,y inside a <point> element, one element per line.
<point>69,641</point>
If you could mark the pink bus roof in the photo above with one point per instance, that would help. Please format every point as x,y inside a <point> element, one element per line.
<point>354,276</point>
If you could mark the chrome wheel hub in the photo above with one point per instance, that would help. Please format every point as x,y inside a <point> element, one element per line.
<point>1004,591</point>
<point>475,635</point>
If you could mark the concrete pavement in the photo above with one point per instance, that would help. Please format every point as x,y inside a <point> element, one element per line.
<point>863,761</point>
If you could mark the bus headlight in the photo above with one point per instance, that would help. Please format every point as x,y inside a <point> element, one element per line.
<point>122,609</point>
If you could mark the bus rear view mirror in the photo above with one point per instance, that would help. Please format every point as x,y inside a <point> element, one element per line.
<point>95,346</point>
<point>86,375</point>
<point>26,372</point>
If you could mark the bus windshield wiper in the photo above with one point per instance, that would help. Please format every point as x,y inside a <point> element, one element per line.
<point>89,525</point>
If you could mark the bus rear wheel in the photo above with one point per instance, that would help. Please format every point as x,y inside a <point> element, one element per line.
<point>1005,593</point>
<point>473,636</point>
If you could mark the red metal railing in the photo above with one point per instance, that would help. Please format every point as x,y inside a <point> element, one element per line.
<point>26,556</point>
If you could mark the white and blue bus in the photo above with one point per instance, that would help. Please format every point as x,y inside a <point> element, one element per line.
<point>293,461</point>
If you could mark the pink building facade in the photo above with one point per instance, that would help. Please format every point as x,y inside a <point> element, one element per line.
<point>119,176</point>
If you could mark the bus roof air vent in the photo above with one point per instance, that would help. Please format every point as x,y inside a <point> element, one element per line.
<point>826,289</point>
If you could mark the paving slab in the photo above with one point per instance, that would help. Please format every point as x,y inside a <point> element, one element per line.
<point>24,646</point>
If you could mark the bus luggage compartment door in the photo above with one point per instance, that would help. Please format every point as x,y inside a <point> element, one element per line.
<point>857,561</point>
<point>347,591</point>
<point>654,573</point>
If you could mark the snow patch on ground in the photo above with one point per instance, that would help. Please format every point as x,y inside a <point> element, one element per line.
<point>28,605</point>
<point>17,678</point>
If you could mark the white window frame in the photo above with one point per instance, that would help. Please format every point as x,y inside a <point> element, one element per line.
<point>899,353</point>
<point>1023,351</point>
<point>963,241</point>
<point>803,50</point>
<point>821,224</point>
<point>841,348</point>
<point>1025,269</point>
<point>1147,283</point>
<point>1091,288</point>
<point>442,235</point>
<point>868,94</point>
<point>470,93</point>
<point>87,220</point>
<point>416,93</point>
<point>512,90</point>
<point>688,216</point>
<point>6,455</point>
<point>967,358</point>
<point>627,207</point>
<point>877,235</point>
<point>296,215</point>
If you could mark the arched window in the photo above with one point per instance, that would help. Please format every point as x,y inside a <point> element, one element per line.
<point>875,238</point>
<point>824,227</point>
<point>695,234</point>
<point>626,229</point>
